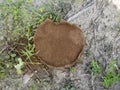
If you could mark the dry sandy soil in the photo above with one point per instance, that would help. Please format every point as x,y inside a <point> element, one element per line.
<point>99,21</point>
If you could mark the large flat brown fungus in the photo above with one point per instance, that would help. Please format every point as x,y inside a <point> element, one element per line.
<point>58,44</point>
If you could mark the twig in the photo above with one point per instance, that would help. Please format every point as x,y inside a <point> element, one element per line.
<point>89,6</point>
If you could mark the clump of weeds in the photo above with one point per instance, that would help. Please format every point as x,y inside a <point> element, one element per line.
<point>18,21</point>
<point>110,75</point>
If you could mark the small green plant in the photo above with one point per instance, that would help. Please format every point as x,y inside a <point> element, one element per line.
<point>2,68</point>
<point>33,86</point>
<point>28,51</point>
<point>68,86</point>
<point>19,66</point>
<point>72,69</point>
<point>95,67</point>
<point>111,75</point>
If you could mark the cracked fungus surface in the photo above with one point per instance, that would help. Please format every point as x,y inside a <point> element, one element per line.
<point>58,44</point>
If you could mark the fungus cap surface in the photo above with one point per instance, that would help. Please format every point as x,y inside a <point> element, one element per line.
<point>58,44</point>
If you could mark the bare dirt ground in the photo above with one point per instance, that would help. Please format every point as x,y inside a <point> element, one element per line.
<point>100,23</point>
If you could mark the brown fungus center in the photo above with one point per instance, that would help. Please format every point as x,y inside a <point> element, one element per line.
<point>58,44</point>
